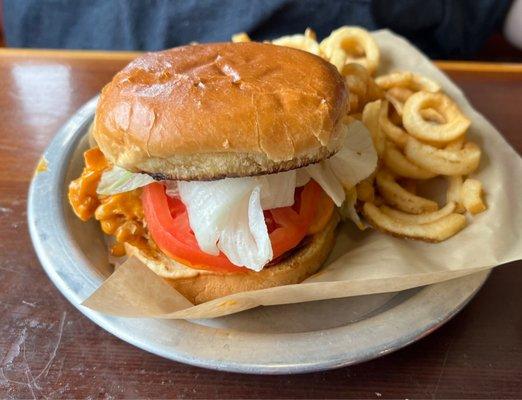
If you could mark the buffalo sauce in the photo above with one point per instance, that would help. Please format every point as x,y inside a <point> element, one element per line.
<point>120,215</point>
<point>82,191</point>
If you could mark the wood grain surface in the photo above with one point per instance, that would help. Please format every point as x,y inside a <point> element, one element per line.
<point>49,350</point>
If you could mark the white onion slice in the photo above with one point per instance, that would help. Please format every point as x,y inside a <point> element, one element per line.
<point>301,177</point>
<point>227,215</point>
<point>244,238</point>
<point>277,190</point>
<point>322,173</point>
<point>357,159</point>
<point>209,205</point>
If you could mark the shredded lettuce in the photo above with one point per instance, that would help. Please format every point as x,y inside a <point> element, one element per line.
<point>119,180</point>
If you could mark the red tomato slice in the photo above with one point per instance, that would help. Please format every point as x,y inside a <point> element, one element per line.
<point>172,233</point>
<point>294,225</point>
<point>168,224</point>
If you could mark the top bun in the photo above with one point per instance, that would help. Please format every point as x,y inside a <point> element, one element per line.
<point>220,110</point>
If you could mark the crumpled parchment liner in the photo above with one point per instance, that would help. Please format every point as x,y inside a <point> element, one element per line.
<point>363,262</point>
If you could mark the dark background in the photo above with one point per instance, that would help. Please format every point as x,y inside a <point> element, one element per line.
<point>443,29</point>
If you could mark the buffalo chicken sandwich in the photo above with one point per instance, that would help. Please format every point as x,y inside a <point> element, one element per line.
<point>223,167</point>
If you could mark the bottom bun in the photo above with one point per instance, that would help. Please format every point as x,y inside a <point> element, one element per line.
<point>201,286</point>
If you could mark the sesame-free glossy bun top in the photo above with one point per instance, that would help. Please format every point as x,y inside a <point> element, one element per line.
<point>219,110</point>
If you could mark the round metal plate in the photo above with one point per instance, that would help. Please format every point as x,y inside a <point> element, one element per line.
<point>273,340</point>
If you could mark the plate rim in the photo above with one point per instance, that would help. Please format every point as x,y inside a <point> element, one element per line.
<point>60,150</point>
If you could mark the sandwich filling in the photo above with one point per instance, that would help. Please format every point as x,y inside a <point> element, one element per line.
<point>226,225</point>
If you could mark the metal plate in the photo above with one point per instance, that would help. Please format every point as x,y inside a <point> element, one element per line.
<point>273,340</point>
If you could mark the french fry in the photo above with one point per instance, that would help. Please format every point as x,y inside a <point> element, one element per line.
<point>432,115</point>
<point>240,37</point>
<point>361,86</point>
<point>406,79</point>
<point>455,126</point>
<point>378,201</point>
<point>337,58</point>
<point>410,185</point>
<point>370,118</point>
<point>397,96</point>
<point>400,198</point>
<point>400,165</point>
<point>365,190</point>
<point>310,33</point>
<point>435,231</point>
<point>454,192</point>
<point>472,196</point>
<point>420,219</point>
<point>456,144</point>
<point>396,103</point>
<point>373,92</point>
<point>393,132</point>
<point>443,162</point>
<point>357,45</point>
<point>301,42</point>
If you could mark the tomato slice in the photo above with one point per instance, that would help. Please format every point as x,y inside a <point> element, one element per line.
<point>293,225</point>
<point>168,224</point>
<point>172,233</point>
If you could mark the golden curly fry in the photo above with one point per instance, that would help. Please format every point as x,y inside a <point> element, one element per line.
<point>301,42</point>
<point>241,37</point>
<point>356,43</point>
<point>456,144</point>
<point>397,96</point>
<point>370,118</point>
<point>432,115</point>
<point>400,165</point>
<point>420,219</point>
<point>454,192</point>
<point>393,132</point>
<point>361,87</point>
<point>443,162</point>
<point>455,126</point>
<point>365,190</point>
<point>436,231</point>
<point>408,80</point>
<point>471,195</point>
<point>310,33</point>
<point>397,196</point>
<point>338,58</point>
<point>409,184</point>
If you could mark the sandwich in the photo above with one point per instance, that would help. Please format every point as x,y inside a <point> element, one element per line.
<point>223,167</point>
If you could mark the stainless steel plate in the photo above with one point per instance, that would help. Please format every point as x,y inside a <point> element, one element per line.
<point>273,340</point>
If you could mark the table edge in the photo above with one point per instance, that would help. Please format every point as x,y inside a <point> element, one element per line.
<point>103,55</point>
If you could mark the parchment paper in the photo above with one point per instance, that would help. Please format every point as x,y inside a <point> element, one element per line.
<point>363,262</point>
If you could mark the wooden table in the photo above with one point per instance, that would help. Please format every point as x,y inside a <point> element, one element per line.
<point>48,349</point>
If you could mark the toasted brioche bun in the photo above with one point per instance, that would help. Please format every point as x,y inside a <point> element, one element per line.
<point>220,110</point>
<point>201,286</point>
